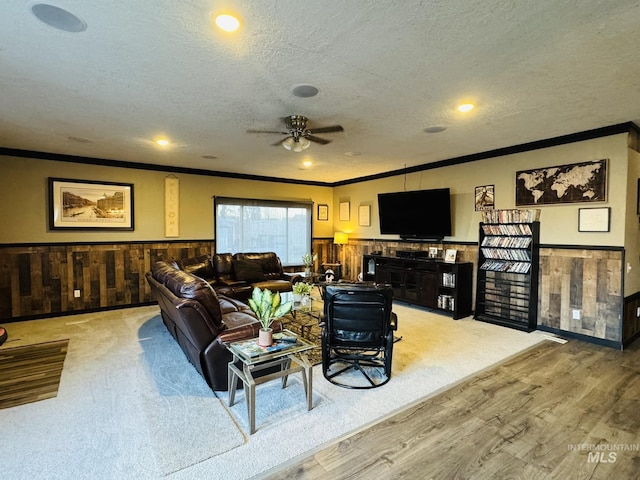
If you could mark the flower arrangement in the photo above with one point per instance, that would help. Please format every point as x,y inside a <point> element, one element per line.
<point>302,288</point>
<point>267,306</point>
<point>308,259</point>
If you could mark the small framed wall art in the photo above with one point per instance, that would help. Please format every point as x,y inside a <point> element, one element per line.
<point>345,214</point>
<point>323,212</point>
<point>594,219</point>
<point>485,198</point>
<point>364,215</point>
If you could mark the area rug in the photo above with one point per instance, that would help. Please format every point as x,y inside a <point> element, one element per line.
<point>436,352</point>
<point>129,405</point>
<point>31,373</point>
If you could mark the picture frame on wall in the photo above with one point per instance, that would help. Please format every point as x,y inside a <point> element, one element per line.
<point>345,215</point>
<point>594,219</point>
<point>90,205</point>
<point>485,198</point>
<point>364,215</point>
<point>323,212</point>
<point>584,182</point>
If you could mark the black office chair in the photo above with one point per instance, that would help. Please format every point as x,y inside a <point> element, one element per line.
<point>357,334</point>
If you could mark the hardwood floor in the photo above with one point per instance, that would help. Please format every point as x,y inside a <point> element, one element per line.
<point>557,411</point>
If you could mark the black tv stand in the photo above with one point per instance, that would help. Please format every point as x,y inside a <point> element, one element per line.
<point>428,282</point>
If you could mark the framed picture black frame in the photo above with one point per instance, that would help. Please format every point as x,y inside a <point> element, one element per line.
<point>594,219</point>
<point>638,200</point>
<point>485,198</point>
<point>90,205</point>
<point>323,212</point>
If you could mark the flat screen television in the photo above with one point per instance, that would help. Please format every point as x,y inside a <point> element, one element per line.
<point>418,214</point>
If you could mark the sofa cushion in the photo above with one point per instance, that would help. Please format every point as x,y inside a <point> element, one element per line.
<point>248,271</point>
<point>199,266</point>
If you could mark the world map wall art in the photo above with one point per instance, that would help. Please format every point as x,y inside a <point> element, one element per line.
<point>574,183</point>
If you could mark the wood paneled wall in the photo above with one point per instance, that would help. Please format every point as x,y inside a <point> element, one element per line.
<point>587,281</point>
<point>40,280</point>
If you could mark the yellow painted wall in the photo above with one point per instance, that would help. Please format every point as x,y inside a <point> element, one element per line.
<point>24,197</point>
<point>559,223</point>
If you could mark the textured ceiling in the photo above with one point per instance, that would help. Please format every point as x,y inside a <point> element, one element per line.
<point>385,71</point>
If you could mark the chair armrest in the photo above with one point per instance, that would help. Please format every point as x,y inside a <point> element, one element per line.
<point>393,323</point>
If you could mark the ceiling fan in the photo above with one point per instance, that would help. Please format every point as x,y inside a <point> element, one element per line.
<point>299,137</point>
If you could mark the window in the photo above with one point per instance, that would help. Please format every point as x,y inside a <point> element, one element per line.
<point>245,225</point>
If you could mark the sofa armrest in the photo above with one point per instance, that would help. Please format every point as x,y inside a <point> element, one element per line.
<point>292,277</point>
<point>245,332</point>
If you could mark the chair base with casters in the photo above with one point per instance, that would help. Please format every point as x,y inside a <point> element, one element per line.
<point>357,335</point>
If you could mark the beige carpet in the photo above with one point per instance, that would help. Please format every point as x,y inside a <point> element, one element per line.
<point>130,405</point>
<point>435,353</point>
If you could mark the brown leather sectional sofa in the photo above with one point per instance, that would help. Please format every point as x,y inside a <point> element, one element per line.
<point>235,276</point>
<point>201,317</point>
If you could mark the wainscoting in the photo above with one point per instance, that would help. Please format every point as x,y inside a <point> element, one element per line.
<point>588,282</point>
<point>39,280</point>
<point>585,279</point>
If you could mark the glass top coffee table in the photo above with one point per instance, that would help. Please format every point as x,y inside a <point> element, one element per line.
<point>305,314</point>
<point>287,349</point>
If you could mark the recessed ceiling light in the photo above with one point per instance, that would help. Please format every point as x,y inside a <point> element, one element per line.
<point>465,107</point>
<point>163,142</point>
<point>304,91</point>
<point>227,22</point>
<point>307,163</point>
<point>435,129</point>
<point>58,18</point>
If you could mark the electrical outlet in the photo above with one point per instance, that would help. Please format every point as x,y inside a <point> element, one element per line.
<point>76,293</point>
<point>576,314</point>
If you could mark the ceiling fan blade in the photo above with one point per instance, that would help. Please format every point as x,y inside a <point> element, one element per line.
<point>332,128</point>
<point>279,142</point>
<point>319,140</point>
<point>267,131</point>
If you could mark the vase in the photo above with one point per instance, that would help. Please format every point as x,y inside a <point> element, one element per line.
<point>305,300</point>
<point>265,337</point>
<point>307,271</point>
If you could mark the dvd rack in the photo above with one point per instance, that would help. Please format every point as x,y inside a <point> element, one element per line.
<point>507,280</point>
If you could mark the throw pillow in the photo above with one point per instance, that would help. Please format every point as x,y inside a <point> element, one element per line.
<point>248,271</point>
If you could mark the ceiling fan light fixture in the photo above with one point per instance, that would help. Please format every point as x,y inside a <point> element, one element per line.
<point>296,144</point>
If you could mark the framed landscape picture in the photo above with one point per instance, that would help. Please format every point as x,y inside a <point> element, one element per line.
<point>574,183</point>
<point>90,205</point>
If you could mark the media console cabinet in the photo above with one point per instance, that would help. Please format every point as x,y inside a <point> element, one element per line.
<point>435,284</point>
